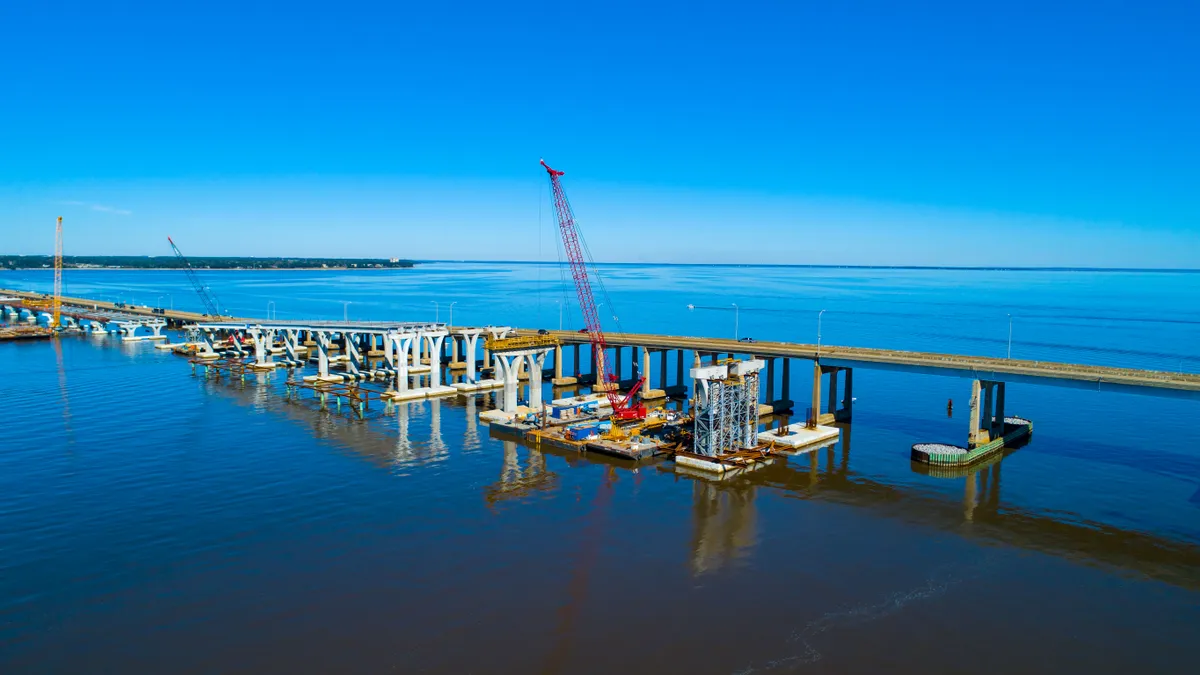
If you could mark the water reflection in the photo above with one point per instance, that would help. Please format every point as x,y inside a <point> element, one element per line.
<point>517,481</point>
<point>471,436</point>
<point>62,392</point>
<point>979,514</point>
<point>724,525</point>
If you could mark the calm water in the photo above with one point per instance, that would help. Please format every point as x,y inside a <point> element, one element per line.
<point>151,521</point>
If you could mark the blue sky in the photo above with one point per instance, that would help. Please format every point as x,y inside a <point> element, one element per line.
<point>851,133</point>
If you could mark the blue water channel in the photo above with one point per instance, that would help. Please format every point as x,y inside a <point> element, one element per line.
<point>153,521</point>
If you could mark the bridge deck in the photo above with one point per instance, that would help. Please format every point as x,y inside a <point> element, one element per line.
<point>1104,378</point>
<point>1160,383</point>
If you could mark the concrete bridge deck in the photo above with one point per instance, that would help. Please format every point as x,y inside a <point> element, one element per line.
<point>84,306</point>
<point>1103,378</point>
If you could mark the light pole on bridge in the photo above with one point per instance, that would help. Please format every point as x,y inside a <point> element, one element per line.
<point>1010,337</point>
<point>819,331</point>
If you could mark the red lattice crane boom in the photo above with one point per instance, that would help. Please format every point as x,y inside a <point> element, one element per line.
<point>623,406</point>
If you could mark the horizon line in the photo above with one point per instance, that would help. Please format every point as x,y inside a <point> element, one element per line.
<point>963,268</point>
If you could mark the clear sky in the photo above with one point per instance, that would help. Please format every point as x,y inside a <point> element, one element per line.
<point>946,133</point>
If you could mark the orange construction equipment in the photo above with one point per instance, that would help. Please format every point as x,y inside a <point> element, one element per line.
<point>624,408</point>
<point>56,307</point>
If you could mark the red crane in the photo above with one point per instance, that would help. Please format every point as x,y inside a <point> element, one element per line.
<point>623,406</point>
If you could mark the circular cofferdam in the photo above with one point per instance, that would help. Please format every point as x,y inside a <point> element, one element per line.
<point>922,452</point>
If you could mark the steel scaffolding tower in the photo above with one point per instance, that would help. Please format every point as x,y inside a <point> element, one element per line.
<point>726,407</point>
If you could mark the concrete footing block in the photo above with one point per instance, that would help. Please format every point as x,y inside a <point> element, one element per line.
<point>795,437</point>
<point>482,385</point>
<point>406,395</point>
<point>420,392</point>
<point>564,381</point>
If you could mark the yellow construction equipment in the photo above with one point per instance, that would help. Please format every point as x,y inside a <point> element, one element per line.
<point>520,342</point>
<point>56,307</point>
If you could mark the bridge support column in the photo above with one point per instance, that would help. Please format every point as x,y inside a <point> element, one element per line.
<point>291,340</point>
<point>975,435</point>
<point>559,380</point>
<point>207,347</point>
<point>353,355</point>
<point>389,351</point>
<point>469,342</point>
<point>663,356</point>
<point>416,348</point>
<point>436,340</point>
<point>260,351</point>
<point>987,412</point>
<point>537,361</point>
<point>238,347</point>
<point>998,419</point>
<point>575,363</point>
<point>835,413</point>
<point>324,340</point>
<point>401,342</point>
<point>846,413</point>
<point>506,367</point>
<point>648,392</point>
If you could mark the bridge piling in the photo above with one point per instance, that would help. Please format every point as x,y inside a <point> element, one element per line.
<point>836,413</point>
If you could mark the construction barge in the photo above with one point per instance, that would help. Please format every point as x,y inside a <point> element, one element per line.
<point>14,333</point>
<point>661,433</point>
<point>721,436</point>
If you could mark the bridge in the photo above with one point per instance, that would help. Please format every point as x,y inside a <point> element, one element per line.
<point>988,375</point>
<point>97,318</point>
<point>403,347</point>
<point>82,307</point>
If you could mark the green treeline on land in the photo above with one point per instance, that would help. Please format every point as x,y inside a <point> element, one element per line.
<point>213,263</point>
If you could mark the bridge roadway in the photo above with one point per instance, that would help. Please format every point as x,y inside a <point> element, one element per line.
<point>1102,378</point>
<point>84,307</point>
<point>983,368</point>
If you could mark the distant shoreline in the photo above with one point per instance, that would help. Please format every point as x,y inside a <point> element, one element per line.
<point>414,263</point>
<point>205,263</point>
<point>206,269</point>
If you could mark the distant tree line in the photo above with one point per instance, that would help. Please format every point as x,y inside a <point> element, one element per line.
<point>214,263</point>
